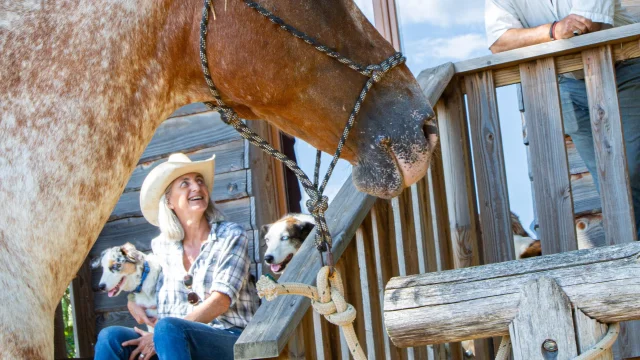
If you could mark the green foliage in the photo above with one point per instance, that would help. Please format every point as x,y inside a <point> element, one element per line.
<point>67,317</point>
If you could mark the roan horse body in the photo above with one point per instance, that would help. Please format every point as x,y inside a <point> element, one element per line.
<point>86,83</point>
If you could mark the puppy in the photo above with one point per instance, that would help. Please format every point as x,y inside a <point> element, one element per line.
<point>283,238</point>
<point>125,268</point>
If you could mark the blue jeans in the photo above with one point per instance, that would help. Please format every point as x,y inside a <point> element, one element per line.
<point>174,339</point>
<point>577,124</point>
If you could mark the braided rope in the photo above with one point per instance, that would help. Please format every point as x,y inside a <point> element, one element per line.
<point>327,299</point>
<point>317,203</point>
<point>592,353</point>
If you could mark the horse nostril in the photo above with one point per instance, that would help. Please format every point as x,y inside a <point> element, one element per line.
<point>102,287</point>
<point>268,259</point>
<point>429,129</point>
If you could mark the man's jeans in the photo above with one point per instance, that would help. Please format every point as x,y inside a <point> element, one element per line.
<point>577,124</point>
<point>173,338</point>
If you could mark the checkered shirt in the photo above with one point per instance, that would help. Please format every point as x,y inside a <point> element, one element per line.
<point>222,266</point>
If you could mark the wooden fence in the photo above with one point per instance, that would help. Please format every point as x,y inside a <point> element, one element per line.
<point>435,225</point>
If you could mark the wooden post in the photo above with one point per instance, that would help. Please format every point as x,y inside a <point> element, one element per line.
<point>59,341</point>
<point>482,301</point>
<point>84,319</point>
<point>552,187</point>
<point>386,19</point>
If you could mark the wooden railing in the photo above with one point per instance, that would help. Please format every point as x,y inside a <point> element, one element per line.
<point>435,225</point>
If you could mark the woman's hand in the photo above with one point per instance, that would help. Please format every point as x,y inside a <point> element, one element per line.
<point>144,345</point>
<point>139,313</point>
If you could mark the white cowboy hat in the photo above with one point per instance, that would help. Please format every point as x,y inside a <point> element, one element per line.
<point>156,183</point>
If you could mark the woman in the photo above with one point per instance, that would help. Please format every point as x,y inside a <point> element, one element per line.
<point>204,296</point>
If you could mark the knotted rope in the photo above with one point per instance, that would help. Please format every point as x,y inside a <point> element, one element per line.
<point>596,350</point>
<point>327,299</point>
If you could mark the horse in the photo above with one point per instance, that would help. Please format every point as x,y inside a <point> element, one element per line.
<point>86,83</point>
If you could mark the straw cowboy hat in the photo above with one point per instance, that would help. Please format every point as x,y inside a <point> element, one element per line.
<point>156,183</point>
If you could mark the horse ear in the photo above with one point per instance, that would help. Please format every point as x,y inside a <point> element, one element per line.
<point>305,229</point>
<point>97,261</point>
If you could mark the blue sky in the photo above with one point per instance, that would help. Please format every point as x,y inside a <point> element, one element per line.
<point>438,31</point>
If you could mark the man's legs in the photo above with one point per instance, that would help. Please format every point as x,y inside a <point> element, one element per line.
<point>575,111</point>
<point>109,345</point>
<point>179,339</point>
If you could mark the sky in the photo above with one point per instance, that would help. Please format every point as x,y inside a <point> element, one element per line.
<point>434,32</point>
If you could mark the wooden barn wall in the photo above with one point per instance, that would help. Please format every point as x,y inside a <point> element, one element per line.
<point>198,133</point>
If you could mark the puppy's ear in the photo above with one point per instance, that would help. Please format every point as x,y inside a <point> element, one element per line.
<point>305,229</point>
<point>265,229</point>
<point>129,251</point>
<point>97,261</point>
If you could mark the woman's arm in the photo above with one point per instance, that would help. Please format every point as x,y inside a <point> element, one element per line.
<point>216,305</point>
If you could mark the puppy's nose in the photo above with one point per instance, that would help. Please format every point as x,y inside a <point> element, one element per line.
<point>268,259</point>
<point>102,287</point>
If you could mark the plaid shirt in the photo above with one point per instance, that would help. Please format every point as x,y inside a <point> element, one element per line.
<point>222,266</point>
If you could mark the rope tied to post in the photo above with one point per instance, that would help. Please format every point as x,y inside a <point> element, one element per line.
<point>327,299</point>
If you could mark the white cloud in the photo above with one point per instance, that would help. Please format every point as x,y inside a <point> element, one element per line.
<point>461,47</point>
<point>443,13</point>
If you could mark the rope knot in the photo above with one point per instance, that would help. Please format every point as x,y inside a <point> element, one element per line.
<point>319,205</point>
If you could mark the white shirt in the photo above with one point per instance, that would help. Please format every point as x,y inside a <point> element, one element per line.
<point>502,15</point>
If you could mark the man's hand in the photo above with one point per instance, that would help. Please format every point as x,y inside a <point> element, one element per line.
<point>138,312</point>
<point>144,345</point>
<point>565,27</point>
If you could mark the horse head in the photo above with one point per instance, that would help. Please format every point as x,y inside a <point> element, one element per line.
<point>266,73</point>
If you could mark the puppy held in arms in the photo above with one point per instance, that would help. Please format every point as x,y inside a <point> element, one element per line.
<point>283,239</point>
<point>126,268</point>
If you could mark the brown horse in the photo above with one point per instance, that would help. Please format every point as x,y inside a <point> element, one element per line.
<point>86,83</point>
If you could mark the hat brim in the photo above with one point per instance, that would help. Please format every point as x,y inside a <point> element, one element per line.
<point>156,183</point>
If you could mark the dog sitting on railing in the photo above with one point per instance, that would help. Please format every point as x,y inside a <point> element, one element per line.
<point>283,239</point>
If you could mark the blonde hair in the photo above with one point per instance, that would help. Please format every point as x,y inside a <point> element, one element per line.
<point>169,223</point>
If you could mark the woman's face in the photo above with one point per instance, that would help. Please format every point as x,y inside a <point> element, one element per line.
<point>188,196</point>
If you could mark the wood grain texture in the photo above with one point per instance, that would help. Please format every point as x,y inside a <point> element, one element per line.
<point>59,341</point>
<point>84,321</point>
<point>481,301</point>
<point>552,187</point>
<point>275,320</point>
<point>435,80</point>
<point>495,216</point>
<point>586,199</point>
<point>229,157</point>
<point>611,160</point>
<point>588,333</point>
<point>554,48</point>
<point>120,318</point>
<point>544,313</point>
<point>459,180</point>
<point>576,164</point>
<point>187,134</point>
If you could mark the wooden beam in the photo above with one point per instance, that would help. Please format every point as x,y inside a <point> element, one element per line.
<point>275,320</point>
<point>435,80</point>
<point>588,333</point>
<point>482,301</point>
<point>84,319</point>
<point>59,341</point>
<point>386,21</point>
<point>495,215</point>
<point>608,142</point>
<point>552,187</point>
<point>616,35</point>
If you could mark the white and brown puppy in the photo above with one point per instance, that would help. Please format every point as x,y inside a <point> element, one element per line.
<point>126,268</point>
<point>283,239</point>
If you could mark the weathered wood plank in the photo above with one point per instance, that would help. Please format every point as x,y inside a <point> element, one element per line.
<point>459,180</point>
<point>495,215</point>
<point>370,313</point>
<point>120,318</point>
<point>586,199</point>
<point>227,186</point>
<point>554,48</point>
<point>545,313</point>
<point>229,157</point>
<point>187,134</point>
<point>567,63</point>
<point>588,333</point>
<point>435,80</point>
<point>576,165</point>
<point>84,323</point>
<point>611,160</point>
<point>482,301</point>
<point>274,320</point>
<point>552,187</point>
<point>59,341</point>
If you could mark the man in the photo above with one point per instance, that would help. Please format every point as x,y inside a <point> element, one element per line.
<point>511,24</point>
